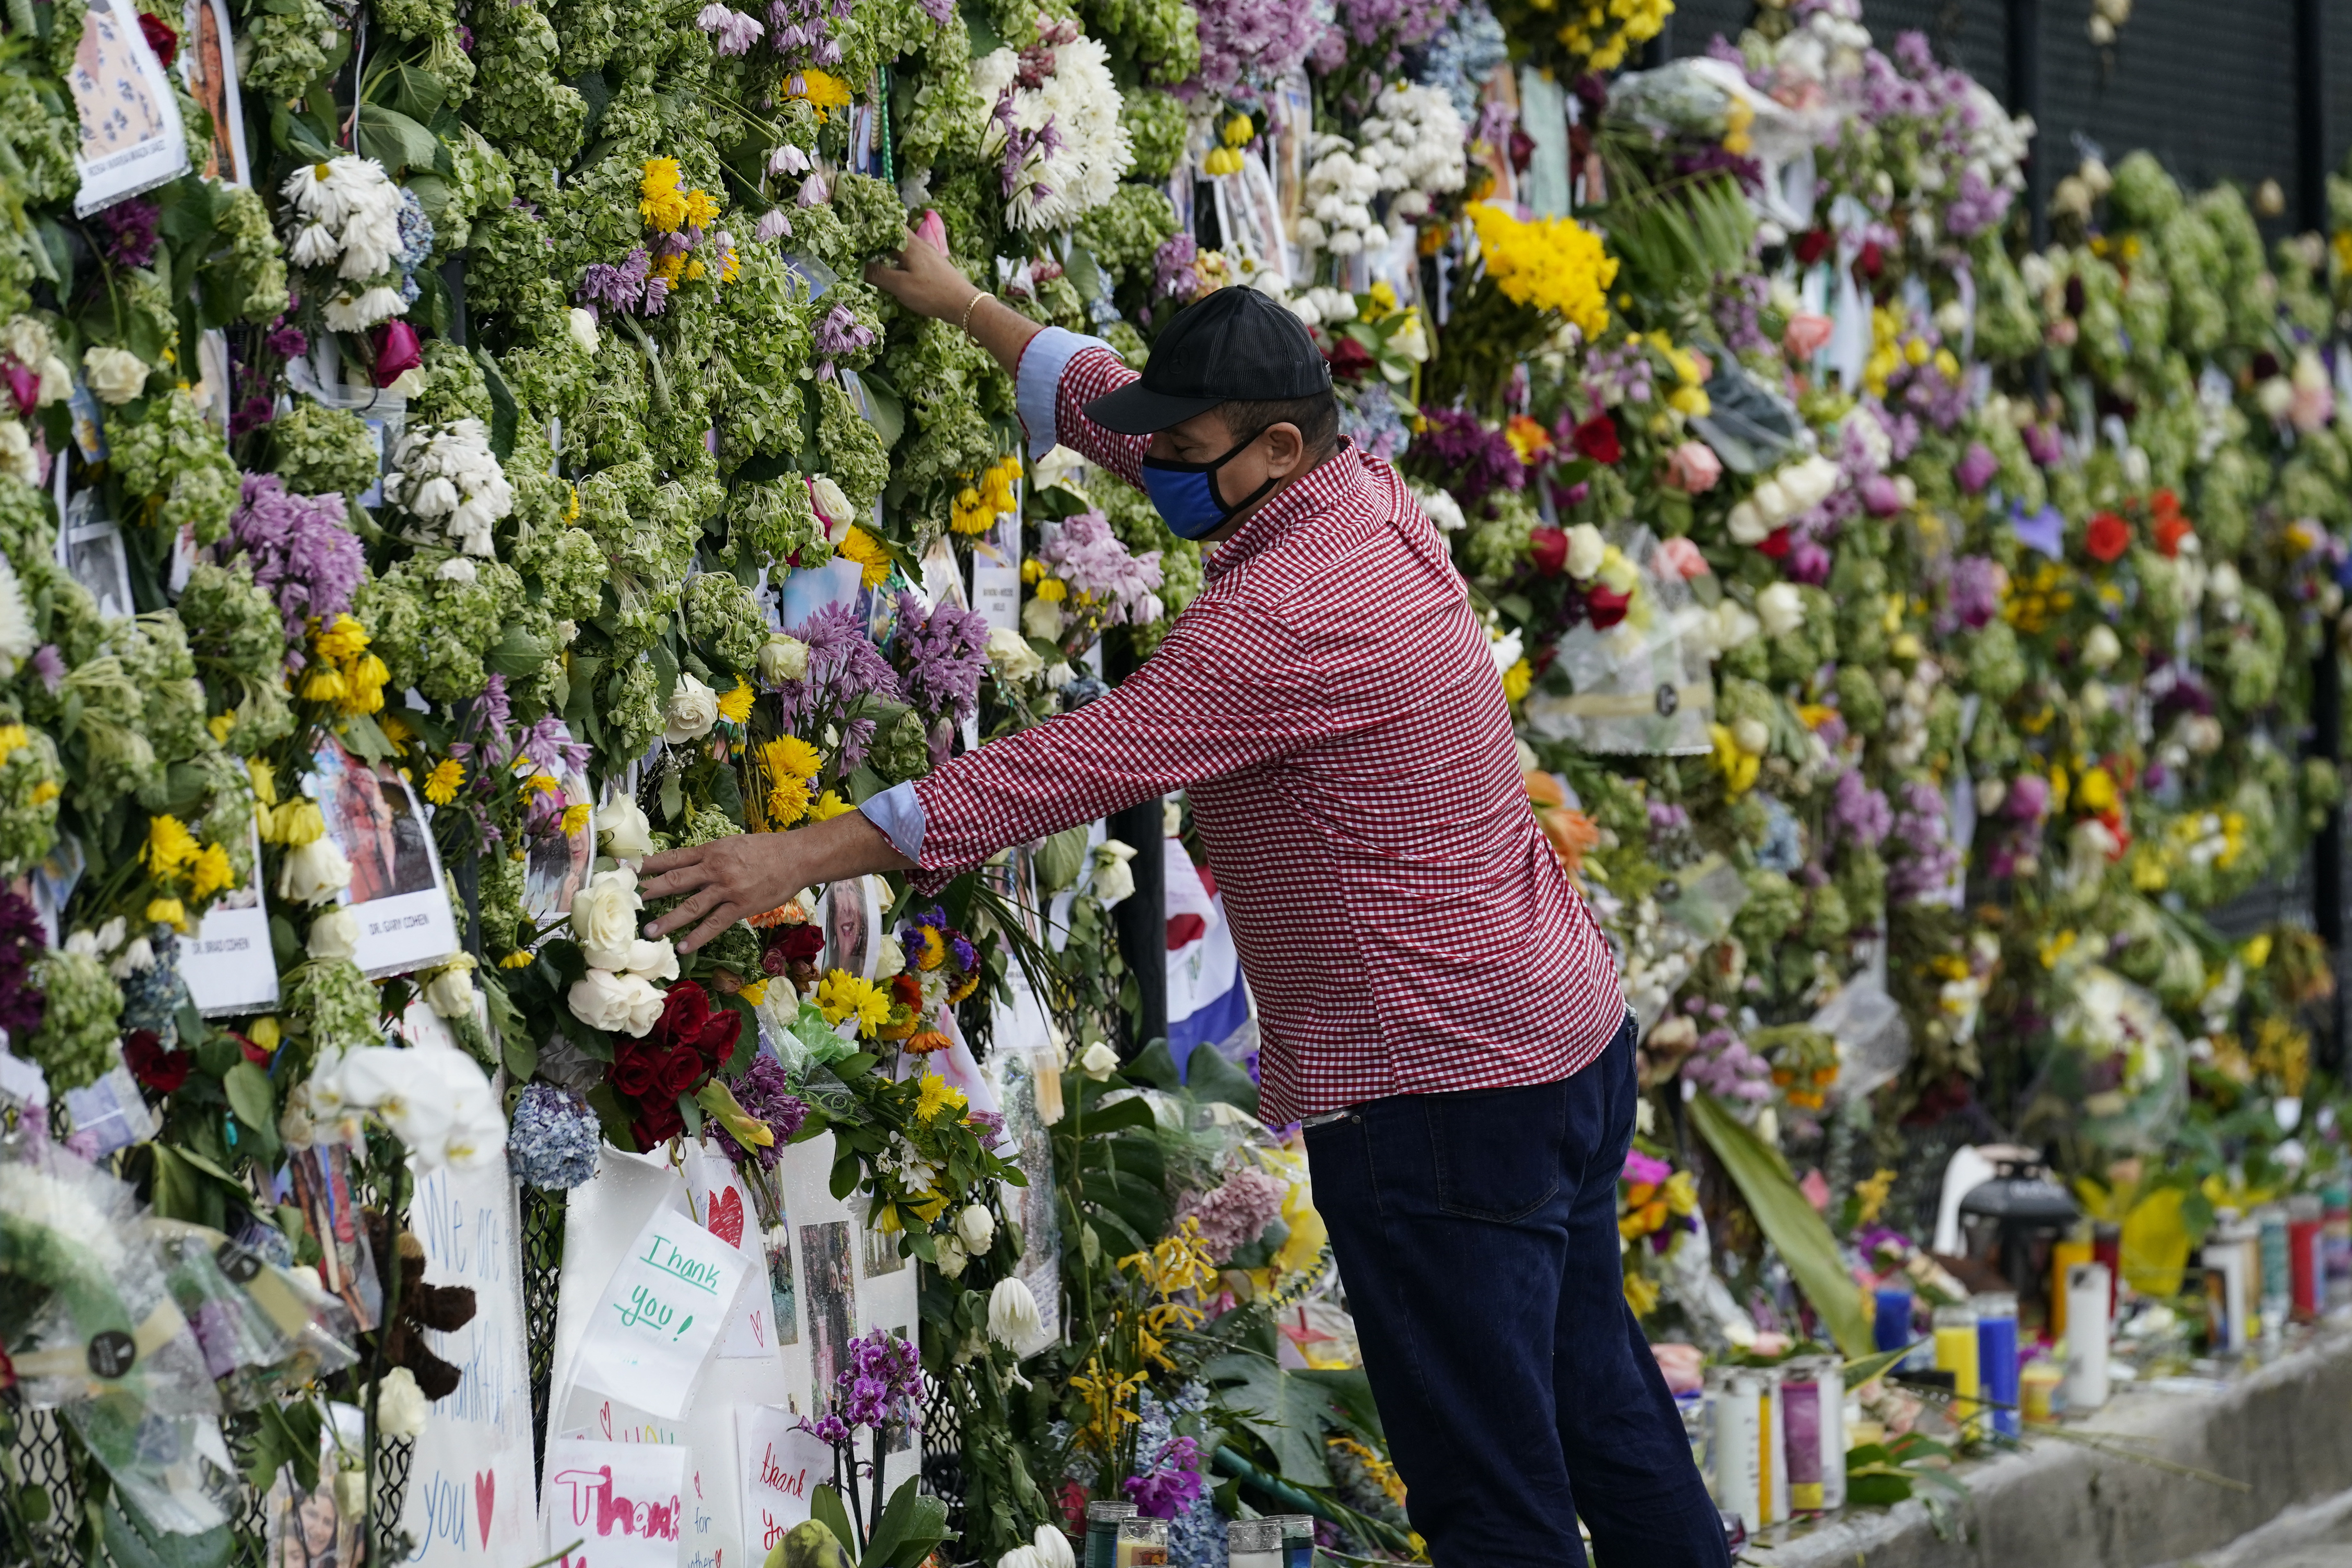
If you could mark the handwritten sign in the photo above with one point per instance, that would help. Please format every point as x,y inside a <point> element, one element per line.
<point>623,1503</point>
<point>469,1495</point>
<point>661,1314</point>
<point>780,1465</point>
<point>725,1208</point>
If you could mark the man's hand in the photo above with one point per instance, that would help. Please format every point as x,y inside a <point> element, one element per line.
<point>924,282</point>
<point>730,879</point>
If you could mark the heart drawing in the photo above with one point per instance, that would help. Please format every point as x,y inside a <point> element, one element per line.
<point>725,1220</point>
<point>604,1419</point>
<point>486,1501</point>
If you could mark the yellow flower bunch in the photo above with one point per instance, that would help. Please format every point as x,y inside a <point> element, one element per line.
<point>1648,1207</point>
<point>841,995</point>
<point>1602,32</point>
<point>936,1094</point>
<point>344,672</point>
<point>2028,605</point>
<point>1551,264</point>
<point>990,492</point>
<point>736,705</point>
<point>1179,1265</point>
<point>873,560</point>
<point>666,208</point>
<point>1111,1404</point>
<point>788,763</point>
<point>1739,768</point>
<point>175,859</point>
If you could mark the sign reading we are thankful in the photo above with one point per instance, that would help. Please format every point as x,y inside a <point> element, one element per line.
<point>661,1314</point>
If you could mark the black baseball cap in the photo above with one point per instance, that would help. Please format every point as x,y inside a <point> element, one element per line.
<point>1235,345</point>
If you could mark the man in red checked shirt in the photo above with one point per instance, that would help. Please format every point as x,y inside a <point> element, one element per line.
<point>1437,1005</point>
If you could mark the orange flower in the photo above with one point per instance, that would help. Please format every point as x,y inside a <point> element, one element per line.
<point>923,1042</point>
<point>1530,440</point>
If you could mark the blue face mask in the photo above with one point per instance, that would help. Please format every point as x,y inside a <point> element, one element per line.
<point>1185,494</point>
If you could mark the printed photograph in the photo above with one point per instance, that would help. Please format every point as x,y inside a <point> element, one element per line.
<point>832,1303</point>
<point>374,814</point>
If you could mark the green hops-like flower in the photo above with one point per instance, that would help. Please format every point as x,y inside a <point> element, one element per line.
<point>249,276</point>
<point>854,454</point>
<point>334,1004</point>
<point>233,625</point>
<point>31,782</point>
<point>570,568</point>
<point>169,451</point>
<point>774,519</point>
<point>724,621</point>
<point>76,1042</point>
<point>325,451</point>
<point>285,51</point>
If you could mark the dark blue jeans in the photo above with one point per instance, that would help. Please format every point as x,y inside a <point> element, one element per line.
<point>1477,1237</point>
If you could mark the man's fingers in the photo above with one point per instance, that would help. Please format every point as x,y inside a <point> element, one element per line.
<point>686,914</point>
<point>683,877</point>
<point>711,930</point>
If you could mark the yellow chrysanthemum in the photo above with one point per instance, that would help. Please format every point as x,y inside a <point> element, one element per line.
<point>520,960</point>
<point>212,873</point>
<point>936,1095</point>
<point>1053,590</point>
<point>842,996</point>
<point>668,268</point>
<point>364,682</point>
<point>788,800</point>
<point>790,754</point>
<point>541,784</point>
<point>829,806</point>
<point>754,992</point>
<point>171,847</point>
<point>46,791</point>
<point>1551,264</point>
<point>866,551</point>
<point>168,912</point>
<point>342,641</point>
<point>13,737</point>
<point>933,950</point>
<point>297,823</point>
<point>576,819</point>
<point>702,207</point>
<point>736,705</point>
<point>325,683</point>
<point>220,724</point>
<point>1516,679</point>
<point>823,91</point>
<point>441,785</point>
<point>660,202</point>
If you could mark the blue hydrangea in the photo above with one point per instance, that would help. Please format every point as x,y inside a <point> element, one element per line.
<point>553,1141</point>
<point>152,996</point>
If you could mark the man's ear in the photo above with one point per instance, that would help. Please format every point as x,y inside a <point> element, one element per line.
<point>1285,450</point>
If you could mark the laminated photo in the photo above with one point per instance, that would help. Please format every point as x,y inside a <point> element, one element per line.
<point>556,866</point>
<point>375,818</point>
<point>131,139</point>
<point>849,917</point>
<point>208,66</point>
<point>227,963</point>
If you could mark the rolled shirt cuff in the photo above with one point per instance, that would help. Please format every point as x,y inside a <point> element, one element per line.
<point>898,812</point>
<point>1038,388</point>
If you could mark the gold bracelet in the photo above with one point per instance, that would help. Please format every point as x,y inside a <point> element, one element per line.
<point>977,296</point>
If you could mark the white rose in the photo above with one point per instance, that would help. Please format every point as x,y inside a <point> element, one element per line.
<point>1772,504</point>
<point>627,836</point>
<point>400,1405</point>
<point>580,322</point>
<point>975,1227</point>
<point>1751,736</point>
<point>1445,512</point>
<point>314,872</point>
<point>334,934</point>
<point>1731,626</point>
<point>1781,608</point>
<point>832,507</point>
<point>951,1257</point>
<point>693,710</point>
<point>616,1003</point>
<point>783,658</point>
<point>604,919</point>
<point>116,375</point>
<point>1057,676</point>
<point>1586,550</point>
<point>1809,483</point>
<point>450,993</point>
<point>1097,1062</point>
<point>17,453</point>
<point>2102,647</point>
<point>889,958</point>
<point>1010,655</point>
<point>1747,525</point>
<point>57,381</point>
<point>655,960</point>
<point>1013,1318</point>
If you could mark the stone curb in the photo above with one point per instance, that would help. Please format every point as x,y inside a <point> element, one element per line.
<point>2285,1429</point>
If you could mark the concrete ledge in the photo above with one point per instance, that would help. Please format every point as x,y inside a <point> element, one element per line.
<point>2286,1430</point>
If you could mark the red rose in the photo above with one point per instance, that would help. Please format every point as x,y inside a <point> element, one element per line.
<point>2108,536</point>
<point>1597,439</point>
<point>255,1054</point>
<point>659,1123</point>
<point>1812,245</point>
<point>1605,607</point>
<point>155,1068</point>
<point>716,1041</point>
<point>1774,544</point>
<point>1872,262</point>
<point>635,1070</point>
<point>162,37</point>
<point>681,1069</point>
<point>396,350</point>
<point>686,1010</point>
<point>1547,548</point>
<point>1349,360</point>
<point>799,945</point>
